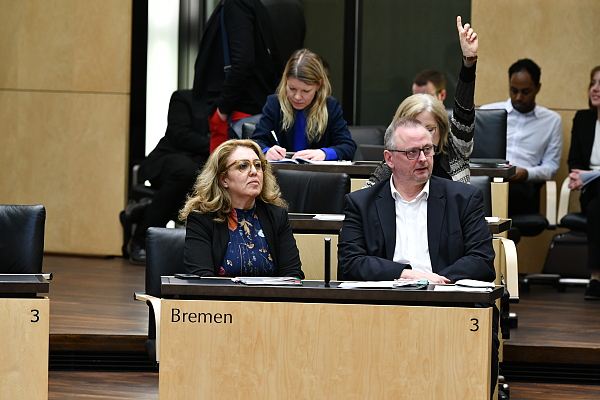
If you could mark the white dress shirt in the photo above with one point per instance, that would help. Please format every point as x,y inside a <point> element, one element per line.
<point>533,140</point>
<point>412,245</point>
<point>595,157</point>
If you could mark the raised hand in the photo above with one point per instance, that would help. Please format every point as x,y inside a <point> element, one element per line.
<point>469,42</point>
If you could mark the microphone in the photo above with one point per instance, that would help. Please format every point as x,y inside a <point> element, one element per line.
<point>327,261</point>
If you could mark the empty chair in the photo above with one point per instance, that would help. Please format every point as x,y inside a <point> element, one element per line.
<point>22,239</point>
<point>164,257</point>
<point>367,135</point>
<point>313,192</point>
<point>490,134</point>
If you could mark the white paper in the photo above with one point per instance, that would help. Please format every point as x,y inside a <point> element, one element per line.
<point>330,217</point>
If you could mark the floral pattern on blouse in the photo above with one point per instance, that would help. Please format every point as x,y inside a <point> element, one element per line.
<point>247,252</point>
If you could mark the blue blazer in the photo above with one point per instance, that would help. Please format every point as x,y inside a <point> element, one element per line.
<point>460,242</point>
<point>336,136</point>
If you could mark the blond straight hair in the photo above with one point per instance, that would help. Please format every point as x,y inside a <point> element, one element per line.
<point>307,67</point>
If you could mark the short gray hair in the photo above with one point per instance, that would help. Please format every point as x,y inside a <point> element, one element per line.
<point>389,139</point>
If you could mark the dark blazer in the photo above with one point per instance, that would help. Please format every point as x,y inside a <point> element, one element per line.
<point>460,243</point>
<point>186,134</point>
<point>253,75</point>
<point>206,242</point>
<point>582,139</point>
<point>336,136</point>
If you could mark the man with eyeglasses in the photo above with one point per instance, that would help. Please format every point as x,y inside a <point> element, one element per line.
<point>415,225</point>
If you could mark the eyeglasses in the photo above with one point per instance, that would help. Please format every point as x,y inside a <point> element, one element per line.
<point>413,154</point>
<point>244,166</point>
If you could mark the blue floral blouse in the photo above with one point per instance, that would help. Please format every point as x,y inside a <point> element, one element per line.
<point>247,252</point>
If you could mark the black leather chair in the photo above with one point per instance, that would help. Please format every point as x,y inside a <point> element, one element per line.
<point>164,257</point>
<point>22,239</point>
<point>485,184</point>
<point>313,192</point>
<point>367,135</point>
<point>490,134</point>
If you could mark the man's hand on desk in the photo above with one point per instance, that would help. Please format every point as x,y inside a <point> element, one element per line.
<point>418,275</point>
<point>520,175</point>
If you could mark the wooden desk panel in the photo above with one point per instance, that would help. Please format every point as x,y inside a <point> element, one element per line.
<point>24,348</point>
<point>272,350</point>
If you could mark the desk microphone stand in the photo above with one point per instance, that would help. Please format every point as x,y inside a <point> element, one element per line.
<point>327,261</point>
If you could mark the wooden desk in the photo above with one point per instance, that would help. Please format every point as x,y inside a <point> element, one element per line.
<point>365,169</point>
<point>322,343</point>
<point>353,170</point>
<point>503,173</point>
<point>24,318</point>
<point>304,223</point>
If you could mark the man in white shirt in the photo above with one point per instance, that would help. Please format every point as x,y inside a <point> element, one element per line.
<point>533,138</point>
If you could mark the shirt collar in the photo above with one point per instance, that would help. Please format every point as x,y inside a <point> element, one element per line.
<point>510,109</point>
<point>397,196</point>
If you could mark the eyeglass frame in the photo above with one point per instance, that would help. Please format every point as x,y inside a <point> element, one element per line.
<point>435,149</point>
<point>253,163</point>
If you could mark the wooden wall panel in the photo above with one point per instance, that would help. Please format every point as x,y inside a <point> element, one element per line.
<point>562,37</point>
<point>68,152</point>
<point>64,117</point>
<point>66,45</point>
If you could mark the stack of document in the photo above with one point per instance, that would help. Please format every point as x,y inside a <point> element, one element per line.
<point>330,217</point>
<point>466,285</point>
<point>251,280</point>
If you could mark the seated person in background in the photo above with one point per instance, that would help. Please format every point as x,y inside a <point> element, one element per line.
<point>584,155</point>
<point>304,116</point>
<point>171,168</point>
<point>236,221</point>
<point>533,138</point>
<point>430,82</point>
<point>415,225</point>
<point>455,140</point>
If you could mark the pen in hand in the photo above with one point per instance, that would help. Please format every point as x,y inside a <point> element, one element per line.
<point>275,137</point>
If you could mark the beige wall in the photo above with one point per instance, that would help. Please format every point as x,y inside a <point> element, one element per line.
<point>562,37</point>
<point>64,116</point>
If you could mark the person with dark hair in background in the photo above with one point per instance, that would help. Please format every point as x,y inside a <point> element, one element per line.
<point>584,156</point>
<point>226,93</point>
<point>171,168</point>
<point>303,117</point>
<point>430,82</point>
<point>533,138</point>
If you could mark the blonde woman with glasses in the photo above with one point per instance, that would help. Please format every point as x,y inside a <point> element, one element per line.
<point>236,221</point>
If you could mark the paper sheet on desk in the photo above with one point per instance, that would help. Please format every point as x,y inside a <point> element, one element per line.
<point>491,220</point>
<point>454,288</point>
<point>330,217</point>
<point>367,285</point>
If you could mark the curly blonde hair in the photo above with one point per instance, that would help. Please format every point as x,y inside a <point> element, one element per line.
<point>306,66</point>
<point>416,104</point>
<point>209,195</point>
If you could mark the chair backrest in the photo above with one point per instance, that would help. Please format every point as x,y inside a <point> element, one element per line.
<point>22,239</point>
<point>313,192</point>
<point>490,134</point>
<point>485,184</point>
<point>164,256</point>
<point>366,134</point>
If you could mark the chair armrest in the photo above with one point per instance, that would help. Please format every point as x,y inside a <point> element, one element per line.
<point>551,203</point>
<point>563,202</point>
<point>156,303</point>
<point>512,269</point>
